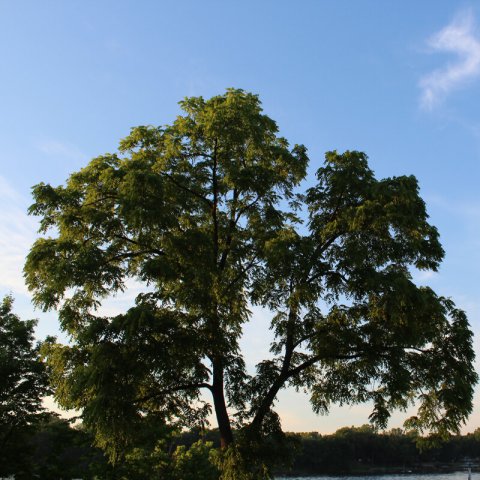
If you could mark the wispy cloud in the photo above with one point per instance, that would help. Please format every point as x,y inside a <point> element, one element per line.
<point>459,37</point>
<point>61,149</point>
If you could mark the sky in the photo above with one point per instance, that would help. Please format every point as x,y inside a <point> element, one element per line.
<point>399,80</point>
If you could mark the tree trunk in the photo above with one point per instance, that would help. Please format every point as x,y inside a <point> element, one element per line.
<point>223,420</point>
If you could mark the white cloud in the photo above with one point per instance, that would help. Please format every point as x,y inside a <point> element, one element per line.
<point>17,233</point>
<point>460,38</point>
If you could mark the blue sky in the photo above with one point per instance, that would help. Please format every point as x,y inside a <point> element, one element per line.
<point>399,80</point>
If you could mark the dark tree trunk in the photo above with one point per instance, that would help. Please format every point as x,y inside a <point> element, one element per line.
<point>223,420</point>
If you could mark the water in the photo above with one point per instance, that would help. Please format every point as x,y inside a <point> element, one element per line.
<point>436,476</point>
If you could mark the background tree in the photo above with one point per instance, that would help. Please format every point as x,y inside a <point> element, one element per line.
<point>60,450</point>
<point>23,383</point>
<point>206,213</point>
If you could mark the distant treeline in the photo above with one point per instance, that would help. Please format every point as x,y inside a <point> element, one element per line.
<point>51,449</point>
<point>55,449</point>
<point>357,450</point>
<point>362,450</point>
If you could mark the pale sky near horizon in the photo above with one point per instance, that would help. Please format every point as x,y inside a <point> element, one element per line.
<point>395,79</point>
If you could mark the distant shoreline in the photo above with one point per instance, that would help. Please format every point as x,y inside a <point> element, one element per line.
<point>415,470</point>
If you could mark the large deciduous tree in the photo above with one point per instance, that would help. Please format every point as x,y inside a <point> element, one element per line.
<point>208,215</point>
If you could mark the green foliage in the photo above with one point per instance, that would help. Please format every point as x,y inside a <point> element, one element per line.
<point>195,463</point>
<point>156,459</point>
<point>141,462</point>
<point>207,214</point>
<point>23,383</point>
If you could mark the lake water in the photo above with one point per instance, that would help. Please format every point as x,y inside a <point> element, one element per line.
<point>410,476</point>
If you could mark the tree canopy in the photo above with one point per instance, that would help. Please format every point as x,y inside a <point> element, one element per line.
<point>208,213</point>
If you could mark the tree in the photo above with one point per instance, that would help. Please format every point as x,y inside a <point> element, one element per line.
<point>207,214</point>
<point>23,383</point>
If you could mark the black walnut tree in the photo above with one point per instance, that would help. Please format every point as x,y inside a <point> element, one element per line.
<point>207,214</point>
